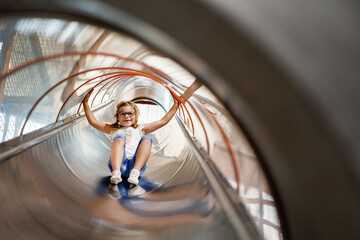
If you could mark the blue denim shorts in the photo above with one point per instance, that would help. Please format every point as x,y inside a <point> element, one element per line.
<point>128,163</point>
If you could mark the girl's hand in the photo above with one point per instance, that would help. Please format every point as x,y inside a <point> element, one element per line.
<point>86,98</point>
<point>175,100</point>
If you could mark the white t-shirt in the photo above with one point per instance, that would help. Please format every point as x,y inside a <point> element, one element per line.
<point>132,136</point>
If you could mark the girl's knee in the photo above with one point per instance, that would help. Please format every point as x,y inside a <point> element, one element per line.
<point>119,142</point>
<point>146,138</point>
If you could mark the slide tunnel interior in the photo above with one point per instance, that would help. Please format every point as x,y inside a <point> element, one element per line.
<point>201,164</point>
<point>263,146</point>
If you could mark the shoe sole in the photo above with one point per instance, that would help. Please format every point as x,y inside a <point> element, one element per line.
<point>115,180</point>
<point>133,181</point>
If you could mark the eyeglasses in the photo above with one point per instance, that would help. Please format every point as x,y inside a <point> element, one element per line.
<point>130,114</point>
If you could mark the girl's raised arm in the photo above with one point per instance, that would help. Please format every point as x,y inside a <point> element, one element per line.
<point>101,126</point>
<point>150,127</point>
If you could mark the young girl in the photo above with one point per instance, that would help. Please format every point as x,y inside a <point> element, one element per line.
<point>131,145</point>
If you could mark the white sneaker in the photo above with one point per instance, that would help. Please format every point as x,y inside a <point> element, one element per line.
<point>134,176</point>
<point>115,177</point>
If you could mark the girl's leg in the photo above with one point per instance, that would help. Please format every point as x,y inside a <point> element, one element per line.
<point>141,156</point>
<point>117,153</point>
<point>143,153</point>
<point>116,158</point>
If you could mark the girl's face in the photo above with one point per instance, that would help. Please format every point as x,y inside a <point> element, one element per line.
<point>126,116</point>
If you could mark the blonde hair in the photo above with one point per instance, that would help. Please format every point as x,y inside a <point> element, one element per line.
<point>117,124</point>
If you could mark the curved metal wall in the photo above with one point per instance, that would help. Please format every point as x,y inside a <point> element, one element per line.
<point>43,91</point>
<point>298,72</point>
